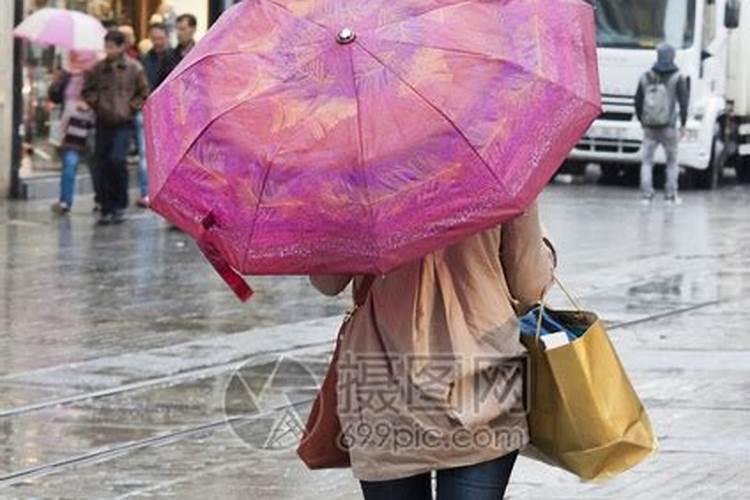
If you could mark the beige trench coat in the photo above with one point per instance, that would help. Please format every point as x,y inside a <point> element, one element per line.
<point>431,371</point>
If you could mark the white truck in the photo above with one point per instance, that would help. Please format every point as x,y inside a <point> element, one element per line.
<point>712,39</point>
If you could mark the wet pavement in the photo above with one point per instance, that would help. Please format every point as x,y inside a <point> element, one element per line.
<point>128,370</point>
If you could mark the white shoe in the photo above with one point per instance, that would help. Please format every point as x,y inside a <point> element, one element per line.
<point>60,208</point>
<point>646,200</point>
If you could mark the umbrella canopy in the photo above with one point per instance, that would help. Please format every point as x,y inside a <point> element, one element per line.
<point>63,28</point>
<point>343,136</point>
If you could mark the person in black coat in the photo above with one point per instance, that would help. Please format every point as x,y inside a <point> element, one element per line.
<point>186,27</point>
<point>156,60</point>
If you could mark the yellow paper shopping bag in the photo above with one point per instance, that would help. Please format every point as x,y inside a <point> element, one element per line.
<point>584,415</point>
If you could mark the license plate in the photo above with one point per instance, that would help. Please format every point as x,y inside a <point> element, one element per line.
<point>606,132</point>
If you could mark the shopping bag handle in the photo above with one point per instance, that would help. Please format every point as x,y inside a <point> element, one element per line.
<point>542,304</point>
<point>574,302</point>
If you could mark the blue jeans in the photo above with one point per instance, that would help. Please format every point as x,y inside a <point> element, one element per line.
<point>482,481</point>
<point>70,160</point>
<point>140,141</point>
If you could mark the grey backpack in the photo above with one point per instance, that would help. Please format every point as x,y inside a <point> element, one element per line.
<point>658,99</point>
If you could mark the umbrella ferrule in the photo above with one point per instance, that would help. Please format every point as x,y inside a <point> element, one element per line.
<point>346,36</point>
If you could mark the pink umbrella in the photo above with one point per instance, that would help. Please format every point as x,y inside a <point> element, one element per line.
<point>63,28</point>
<point>332,136</point>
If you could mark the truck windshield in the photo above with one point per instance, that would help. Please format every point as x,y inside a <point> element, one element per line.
<point>645,23</point>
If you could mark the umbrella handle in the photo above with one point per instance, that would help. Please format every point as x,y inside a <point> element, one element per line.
<point>212,253</point>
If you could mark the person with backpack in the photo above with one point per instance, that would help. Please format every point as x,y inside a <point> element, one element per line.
<point>660,91</point>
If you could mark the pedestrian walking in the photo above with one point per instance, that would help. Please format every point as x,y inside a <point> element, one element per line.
<point>115,89</point>
<point>167,13</point>
<point>155,63</point>
<point>185,26</point>
<point>76,123</point>
<point>660,91</point>
<point>139,137</point>
<point>156,58</point>
<point>427,327</point>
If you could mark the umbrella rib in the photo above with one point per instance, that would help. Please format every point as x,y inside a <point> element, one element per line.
<point>438,111</point>
<point>420,14</point>
<point>483,56</point>
<point>279,6</point>
<point>184,151</point>
<point>249,240</point>
<point>259,201</point>
<point>361,156</point>
<point>176,74</point>
<point>210,121</point>
<point>307,19</point>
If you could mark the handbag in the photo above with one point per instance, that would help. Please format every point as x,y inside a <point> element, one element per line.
<point>56,127</point>
<point>321,446</point>
<point>584,415</point>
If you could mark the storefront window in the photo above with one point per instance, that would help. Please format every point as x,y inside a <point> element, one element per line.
<point>643,24</point>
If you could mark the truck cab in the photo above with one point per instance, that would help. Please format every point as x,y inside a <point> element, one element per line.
<point>712,42</point>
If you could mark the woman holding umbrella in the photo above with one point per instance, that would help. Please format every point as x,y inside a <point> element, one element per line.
<point>441,335</point>
<point>77,121</point>
<point>400,146</point>
<point>83,36</point>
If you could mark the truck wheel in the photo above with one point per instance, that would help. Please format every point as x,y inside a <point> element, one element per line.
<point>615,174</point>
<point>709,178</point>
<point>610,174</point>
<point>742,168</point>
<point>705,180</point>
<point>573,167</point>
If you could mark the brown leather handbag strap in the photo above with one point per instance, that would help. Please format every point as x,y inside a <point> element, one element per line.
<point>362,292</point>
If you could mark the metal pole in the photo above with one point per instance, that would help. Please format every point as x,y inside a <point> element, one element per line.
<point>216,7</point>
<point>16,152</point>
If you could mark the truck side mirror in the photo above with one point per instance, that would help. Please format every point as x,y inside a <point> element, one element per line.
<point>732,14</point>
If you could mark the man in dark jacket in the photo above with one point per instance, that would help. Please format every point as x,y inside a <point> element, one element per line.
<point>156,59</point>
<point>660,91</point>
<point>154,62</point>
<point>115,89</point>
<point>186,26</point>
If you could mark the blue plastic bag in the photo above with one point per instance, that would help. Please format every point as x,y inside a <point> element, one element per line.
<point>549,325</point>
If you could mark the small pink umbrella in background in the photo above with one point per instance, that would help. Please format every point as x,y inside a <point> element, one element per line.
<point>63,28</point>
<point>332,136</point>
